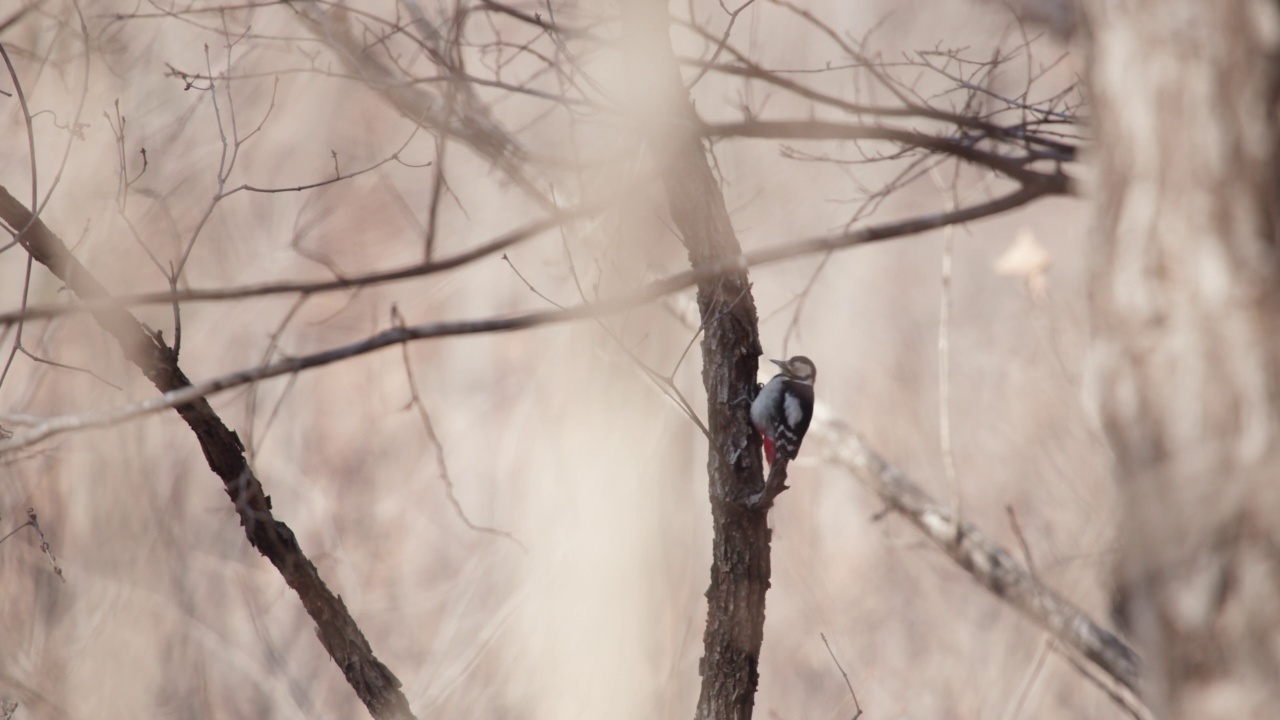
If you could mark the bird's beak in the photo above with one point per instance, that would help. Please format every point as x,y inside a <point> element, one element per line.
<point>780,363</point>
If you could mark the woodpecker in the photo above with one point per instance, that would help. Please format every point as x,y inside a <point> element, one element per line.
<point>784,406</point>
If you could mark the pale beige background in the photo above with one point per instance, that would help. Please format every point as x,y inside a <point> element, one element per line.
<point>550,434</point>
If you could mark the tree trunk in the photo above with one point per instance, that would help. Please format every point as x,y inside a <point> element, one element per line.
<point>1186,372</point>
<point>730,361</point>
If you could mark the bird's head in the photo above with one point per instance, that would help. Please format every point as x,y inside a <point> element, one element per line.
<point>799,368</point>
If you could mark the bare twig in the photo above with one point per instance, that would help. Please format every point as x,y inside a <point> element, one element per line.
<point>724,39</point>
<point>1034,673</point>
<point>857,236</point>
<point>179,396</point>
<point>857,707</point>
<point>944,363</point>
<point>415,402</point>
<point>499,243</point>
<point>1022,540</point>
<point>1012,167</point>
<point>34,523</point>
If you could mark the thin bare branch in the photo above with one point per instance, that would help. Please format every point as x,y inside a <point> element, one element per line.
<point>498,244</point>
<point>415,402</point>
<point>626,301</point>
<point>856,705</point>
<point>1015,168</point>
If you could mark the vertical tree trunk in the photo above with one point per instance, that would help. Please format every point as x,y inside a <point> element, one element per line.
<point>730,361</point>
<point>1185,358</point>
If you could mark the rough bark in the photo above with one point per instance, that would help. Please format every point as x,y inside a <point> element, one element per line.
<point>373,682</point>
<point>730,356</point>
<point>1185,363</point>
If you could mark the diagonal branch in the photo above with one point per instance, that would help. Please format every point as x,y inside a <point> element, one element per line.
<point>465,117</point>
<point>349,282</point>
<point>991,565</point>
<point>373,682</point>
<point>1052,185</point>
<point>706,273</point>
<point>965,148</point>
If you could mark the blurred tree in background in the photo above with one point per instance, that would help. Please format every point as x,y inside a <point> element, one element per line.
<point>1185,308</point>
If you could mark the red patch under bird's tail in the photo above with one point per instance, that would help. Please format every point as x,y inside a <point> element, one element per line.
<point>768,449</point>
